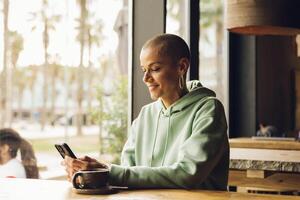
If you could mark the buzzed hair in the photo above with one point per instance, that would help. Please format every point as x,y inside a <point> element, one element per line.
<point>169,45</point>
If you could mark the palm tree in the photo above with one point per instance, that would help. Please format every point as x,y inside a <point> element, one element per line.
<point>16,46</point>
<point>20,85</point>
<point>99,114</point>
<point>3,80</point>
<point>55,74</point>
<point>80,79</point>
<point>95,36</point>
<point>48,24</point>
<point>31,83</point>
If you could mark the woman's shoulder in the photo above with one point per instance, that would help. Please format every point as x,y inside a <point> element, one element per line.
<point>13,168</point>
<point>210,106</point>
<point>152,107</point>
<point>148,111</point>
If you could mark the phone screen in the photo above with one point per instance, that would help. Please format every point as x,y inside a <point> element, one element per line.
<point>64,150</point>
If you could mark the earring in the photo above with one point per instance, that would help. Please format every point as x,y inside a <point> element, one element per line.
<point>181,82</point>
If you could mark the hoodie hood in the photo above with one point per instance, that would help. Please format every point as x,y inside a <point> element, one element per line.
<point>166,123</point>
<point>196,93</point>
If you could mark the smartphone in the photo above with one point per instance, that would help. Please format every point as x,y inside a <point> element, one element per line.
<point>64,150</point>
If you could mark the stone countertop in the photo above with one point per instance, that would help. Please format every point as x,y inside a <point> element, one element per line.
<point>264,165</point>
<point>265,159</point>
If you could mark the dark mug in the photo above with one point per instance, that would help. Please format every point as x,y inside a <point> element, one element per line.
<point>90,179</point>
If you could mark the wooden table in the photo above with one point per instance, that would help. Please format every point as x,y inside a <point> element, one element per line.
<point>19,189</point>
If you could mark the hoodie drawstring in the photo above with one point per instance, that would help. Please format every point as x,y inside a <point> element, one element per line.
<point>167,137</point>
<point>155,137</point>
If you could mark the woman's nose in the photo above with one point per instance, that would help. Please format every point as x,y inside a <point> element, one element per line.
<point>147,76</point>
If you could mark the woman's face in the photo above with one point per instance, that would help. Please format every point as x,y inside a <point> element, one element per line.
<point>161,75</point>
<point>3,153</point>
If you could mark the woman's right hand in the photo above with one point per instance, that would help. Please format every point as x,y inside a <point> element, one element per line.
<point>73,165</point>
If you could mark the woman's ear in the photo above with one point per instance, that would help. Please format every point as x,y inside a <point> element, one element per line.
<point>183,66</point>
<point>4,149</point>
<point>4,154</point>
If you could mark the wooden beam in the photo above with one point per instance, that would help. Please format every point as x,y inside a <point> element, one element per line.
<point>258,173</point>
<point>264,144</point>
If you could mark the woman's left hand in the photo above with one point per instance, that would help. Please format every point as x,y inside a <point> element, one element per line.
<point>73,165</point>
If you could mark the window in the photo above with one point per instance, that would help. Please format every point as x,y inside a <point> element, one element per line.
<point>212,71</point>
<point>176,17</point>
<point>63,68</point>
<point>212,64</point>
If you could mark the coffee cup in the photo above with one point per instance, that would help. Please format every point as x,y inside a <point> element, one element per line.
<point>91,179</point>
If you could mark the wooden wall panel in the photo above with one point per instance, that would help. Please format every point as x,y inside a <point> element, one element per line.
<point>297,88</point>
<point>276,64</point>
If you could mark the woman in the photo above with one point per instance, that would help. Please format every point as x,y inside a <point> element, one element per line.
<point>178,141</point>
<point>10,166</point>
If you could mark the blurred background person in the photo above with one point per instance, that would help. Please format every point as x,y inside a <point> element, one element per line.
<point>10,166</point>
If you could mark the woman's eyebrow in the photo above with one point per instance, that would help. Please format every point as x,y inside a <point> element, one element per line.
<point>154,63</point>
<point>151,64</point>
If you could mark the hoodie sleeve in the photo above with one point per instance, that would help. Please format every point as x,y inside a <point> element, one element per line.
<point>198,155</point>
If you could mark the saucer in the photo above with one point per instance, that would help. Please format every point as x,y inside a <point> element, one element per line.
<point>103,190</point>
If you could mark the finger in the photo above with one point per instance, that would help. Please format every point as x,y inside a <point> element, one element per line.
<point>70,171</point>
<point>93,163</point>
<point>68,159</point>
<point>70,174</point>
<point>98,165</point>
<point>70,162</point>
<point>74,165</point>
<point>80,165</point>
<point>86,158</point>
<point>63,163</point>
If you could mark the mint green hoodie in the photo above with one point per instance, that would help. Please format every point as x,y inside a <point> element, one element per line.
<point>183,146</point>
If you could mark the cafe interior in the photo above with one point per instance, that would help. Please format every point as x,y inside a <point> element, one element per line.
<point>263,93</point>
<point>261,64</point>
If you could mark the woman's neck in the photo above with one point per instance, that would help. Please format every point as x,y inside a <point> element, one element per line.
<point>171,100</point>
<point>5,159</point>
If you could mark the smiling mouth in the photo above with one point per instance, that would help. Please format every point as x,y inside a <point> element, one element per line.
<point>152,87</point>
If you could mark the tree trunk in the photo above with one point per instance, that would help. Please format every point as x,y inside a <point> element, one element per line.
<point>79,101</point>
<point>32,104</point>
<point>4,89</point>
<point>8,102</point>
<point>80,77</point>
<point>101,142</point>
<point>90,82</point>
<point>44,112</point>
<point>53,94</point>
<point>20,106</point>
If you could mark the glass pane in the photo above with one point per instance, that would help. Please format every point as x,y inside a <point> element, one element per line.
<point>176,16</point>
<point>63,68</point>
<point>211,71</point>
<point>211,67</point>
